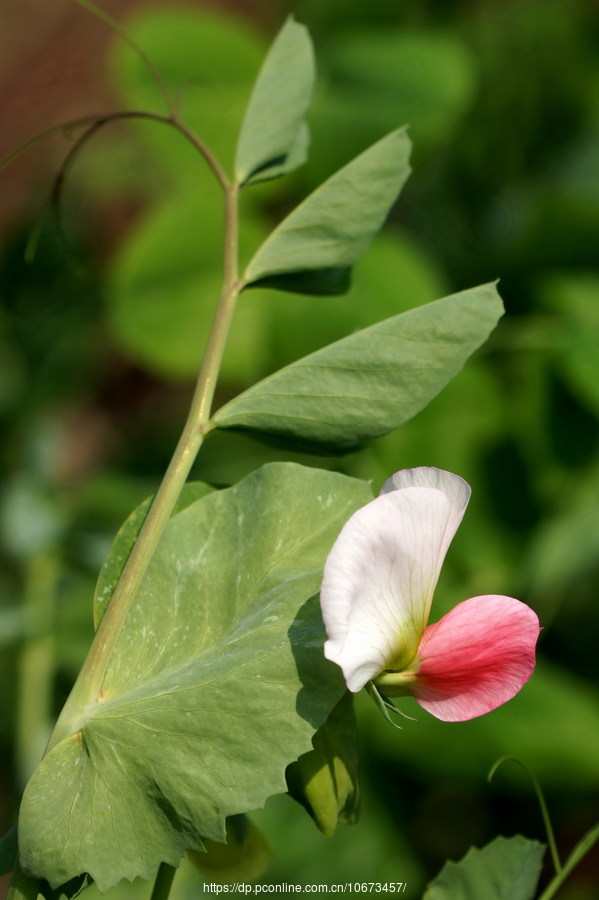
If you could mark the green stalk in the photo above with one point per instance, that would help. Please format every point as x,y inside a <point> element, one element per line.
<point>36,665</point>
<point>86,693</point>
<point>163,882</point>
<point>585,844</point>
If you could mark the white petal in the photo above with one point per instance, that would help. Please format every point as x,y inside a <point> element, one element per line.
<point>455,488</point>
<point>381,573</point>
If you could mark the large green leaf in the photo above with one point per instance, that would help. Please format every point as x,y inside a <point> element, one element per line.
<point>312,249</point>
<point>216,684</point>
<point>273,137</point>
<point>125,539</point>
<point>506,869</point>
<point>371,382</point>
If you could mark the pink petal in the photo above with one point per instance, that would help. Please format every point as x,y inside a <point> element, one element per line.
<point>476,657</point>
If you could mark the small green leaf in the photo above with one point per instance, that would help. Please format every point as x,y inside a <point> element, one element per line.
<point>506,869</point>
<point>325,780</point>
<point>371,382</point>
<point>216,684</point>
<point>331,229</point>
<point>274,136</point>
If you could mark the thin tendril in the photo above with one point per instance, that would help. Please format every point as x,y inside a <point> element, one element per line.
<point>543,806</point>
<point>124,34</point>
<point>48,132</point>
<point>95,124</point>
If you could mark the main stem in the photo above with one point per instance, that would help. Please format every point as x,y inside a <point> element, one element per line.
<point>86,693</point>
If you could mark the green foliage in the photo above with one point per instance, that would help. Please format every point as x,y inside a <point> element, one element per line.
<point>312,249</point>
<point>520,422</point>
<point>574,300</point>
<point>273,139</point>
<point>385,75</point>
<point>325,780</point>
<point>124,541</point>
<point>219,664</point>
<point>506,869</point>
<point>166,275</point>
<point>371,382</point>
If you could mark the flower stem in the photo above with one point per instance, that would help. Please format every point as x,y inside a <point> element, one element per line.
<point>86,692</point>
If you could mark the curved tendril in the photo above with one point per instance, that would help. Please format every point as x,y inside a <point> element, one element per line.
<point>124,34</point>
<point>557,865</point>
<point>94,124</point>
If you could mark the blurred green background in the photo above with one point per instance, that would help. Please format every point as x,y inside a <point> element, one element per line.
<point>101,333</point>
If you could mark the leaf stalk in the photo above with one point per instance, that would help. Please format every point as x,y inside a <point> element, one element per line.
<point>163,882</point>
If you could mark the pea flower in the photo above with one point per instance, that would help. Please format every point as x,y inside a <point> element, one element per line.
<point>376,596</point>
